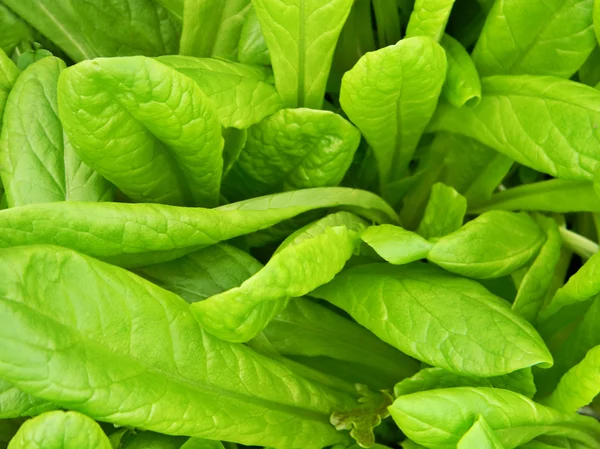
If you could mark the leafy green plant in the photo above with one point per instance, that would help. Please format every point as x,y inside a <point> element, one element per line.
<point>299,224</point>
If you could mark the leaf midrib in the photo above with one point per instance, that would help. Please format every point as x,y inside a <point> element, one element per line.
<point>202,387</point>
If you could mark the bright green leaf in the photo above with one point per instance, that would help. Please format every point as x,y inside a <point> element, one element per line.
<point>481,436</point>
<point>293,149</point>
<point>536,37</point>
<point>14,403</point>
<point>462,86</point>
<point>443,320</point>
<point>241,94</point>
<point>145,127</point>
<point>429,18</point>
<point>301,36</point>
<point>310,257</point>
<point>37,161</point>
<point>444,213</point>
<point>60,430</point>
<point>549,124</point>
<point>253,47</point>
<point>390,95</point>
<point>395,244</point>
<point>211,28</point>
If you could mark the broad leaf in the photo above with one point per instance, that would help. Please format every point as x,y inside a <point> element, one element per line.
<point>546,123</point>
<point>15,403</point>
<point>145,127</point>
<point>480,435</point>
<point>151,372</point>
<point>537,37</point>
<point>440,418</point>
<point>253,47</point>
<point>293,149</point>
<point>424,314</point>
<point>301,36</point>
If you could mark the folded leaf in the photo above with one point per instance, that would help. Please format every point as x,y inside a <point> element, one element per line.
<point>481,436</point>
<point>212,28</point>
<point>142,234</point>
<point>60,430</point>
<point>253,47</point>
<point>429,18</point>
<point>538,37</point>
<point>301,36</point>
<point>37,162</point>
<point>310,257</point>
<point>13,31</point>
<point>462,86</point>
<point>546,123</point>
<point>494,244</point>
<point>390,95</point>
<point>555,195</point>
<point>241,94</point>
<point>85,30</point>
<point>443,320</point>
<point>15,403</point>
<point>145,127</point>
<point>444,213</point>
<point>395,244</point>
<point>435,378</point>
<point>579,386</point>
<point>293,149</point>
<point>160,372</point>
<point>440,418</point>
<point>536,282</point>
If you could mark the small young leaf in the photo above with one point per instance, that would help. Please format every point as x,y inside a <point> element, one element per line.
<point>444,213</point>
<point>494,244</point>
<point>396,245</point>
<point>362,420</point>
<point>60,430</point>
<point>440,319</point>
<point>462,86</point>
